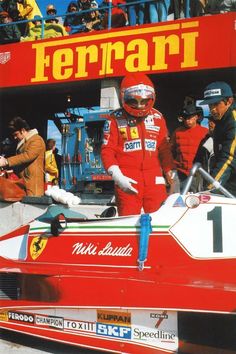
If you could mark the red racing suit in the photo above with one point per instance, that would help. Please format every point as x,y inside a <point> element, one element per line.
<point>141,150</point>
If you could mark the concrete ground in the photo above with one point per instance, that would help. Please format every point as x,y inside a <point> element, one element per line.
<point>16,343</point>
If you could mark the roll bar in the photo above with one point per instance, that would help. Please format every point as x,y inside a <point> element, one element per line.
<point>197,167</point>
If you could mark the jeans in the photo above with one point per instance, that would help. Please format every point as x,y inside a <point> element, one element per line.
<point>136,13</point>
<point>158,10</point>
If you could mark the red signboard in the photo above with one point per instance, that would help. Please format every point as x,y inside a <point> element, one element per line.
<point>181,45</point>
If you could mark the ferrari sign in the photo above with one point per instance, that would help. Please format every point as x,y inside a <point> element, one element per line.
<point>172,46</point>
<point>149,50</point>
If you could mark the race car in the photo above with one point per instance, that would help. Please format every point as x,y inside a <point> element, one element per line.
<point>152,283</point>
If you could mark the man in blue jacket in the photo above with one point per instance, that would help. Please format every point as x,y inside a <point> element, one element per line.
<point>219,96</point>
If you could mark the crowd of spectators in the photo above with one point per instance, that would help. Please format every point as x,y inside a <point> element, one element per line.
<point>89,15</point>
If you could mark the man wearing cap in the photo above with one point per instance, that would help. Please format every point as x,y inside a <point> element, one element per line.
<point>52,26</point>
<point>185,142</point>
<point>219,96</point>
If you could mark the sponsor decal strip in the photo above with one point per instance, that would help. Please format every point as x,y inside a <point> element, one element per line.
<point>69,341</point>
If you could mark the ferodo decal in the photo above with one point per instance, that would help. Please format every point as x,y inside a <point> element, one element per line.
<point>37,246</point>
<point>20,317</point>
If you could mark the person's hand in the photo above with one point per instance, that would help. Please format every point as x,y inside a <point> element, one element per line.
<point>124,182</point>
<point>173,180</point>
<point>170,176</point>
<point>89,26</point>
<point>3,161</point>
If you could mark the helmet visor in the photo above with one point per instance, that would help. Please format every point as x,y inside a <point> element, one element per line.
<point>138,102</point>
<point>139,92</point>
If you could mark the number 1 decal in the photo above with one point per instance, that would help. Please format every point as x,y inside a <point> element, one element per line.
<point>216,216</point>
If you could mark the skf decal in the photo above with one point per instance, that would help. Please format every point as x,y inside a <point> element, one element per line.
<point>123,132</point>
<point>133,145</point>
<point>134,133</point>
<point>20,317</point>
<point>37,246</point>
<point>121,318</point>
<point>55,322</point>
<point>113,331</point>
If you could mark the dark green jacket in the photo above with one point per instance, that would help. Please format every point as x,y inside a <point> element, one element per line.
<point>9,34</point>
<point>224,169</point>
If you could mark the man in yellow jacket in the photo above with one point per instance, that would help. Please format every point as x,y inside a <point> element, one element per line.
<point>51,169</point>
<point>28,9</point>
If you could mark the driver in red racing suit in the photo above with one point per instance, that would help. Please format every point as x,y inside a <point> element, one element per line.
<point>136,151</point>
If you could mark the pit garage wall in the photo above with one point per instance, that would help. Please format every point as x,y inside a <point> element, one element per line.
<point>181,57</point>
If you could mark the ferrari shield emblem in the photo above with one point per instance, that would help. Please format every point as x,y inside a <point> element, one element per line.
<point>123,132</point>
<point>37,246</point>
<point>5,57</point>
<point>134,133</point>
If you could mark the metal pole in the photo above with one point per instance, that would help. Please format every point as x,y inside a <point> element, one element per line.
<point>109,14</point>
<point>187,9</point>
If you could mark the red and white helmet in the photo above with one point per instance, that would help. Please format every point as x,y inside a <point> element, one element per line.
<point>137,94</point>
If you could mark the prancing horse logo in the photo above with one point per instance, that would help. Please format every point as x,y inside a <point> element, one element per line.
<point>37,246</point>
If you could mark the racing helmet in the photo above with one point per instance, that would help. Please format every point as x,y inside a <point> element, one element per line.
<point>137,94</point>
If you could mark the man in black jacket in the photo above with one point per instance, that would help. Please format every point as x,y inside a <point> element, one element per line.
<point>219,96</point>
